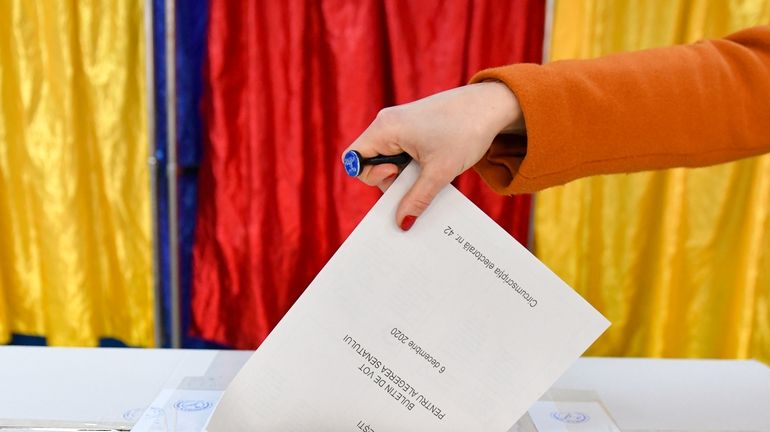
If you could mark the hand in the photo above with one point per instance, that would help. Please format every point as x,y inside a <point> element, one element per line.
<point>447,133</point>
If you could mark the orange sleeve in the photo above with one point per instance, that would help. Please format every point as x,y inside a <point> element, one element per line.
<point>683,106</point>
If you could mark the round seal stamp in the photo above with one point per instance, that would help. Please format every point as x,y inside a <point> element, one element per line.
<point>352,163</point>
<point>192,405</point>
<point>133,414</point>
<point>573,417</point>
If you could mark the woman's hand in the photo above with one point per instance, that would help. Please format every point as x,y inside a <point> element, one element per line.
<point>447,133</point>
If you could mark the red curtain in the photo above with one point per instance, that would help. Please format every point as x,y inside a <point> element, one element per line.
<point>289,85</point>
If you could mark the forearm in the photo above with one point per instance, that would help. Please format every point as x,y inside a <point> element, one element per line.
<point>690,105</point>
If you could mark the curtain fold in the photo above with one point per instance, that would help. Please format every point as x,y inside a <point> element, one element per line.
<point>289,86</point>
<point>75,255</point>
<point>675,259</point>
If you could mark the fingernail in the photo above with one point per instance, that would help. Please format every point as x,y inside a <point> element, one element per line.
<point>390,177</point>
<point>407,222</point>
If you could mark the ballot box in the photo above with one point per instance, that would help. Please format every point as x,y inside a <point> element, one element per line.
<point>109,388</point>
<point>114,388</point>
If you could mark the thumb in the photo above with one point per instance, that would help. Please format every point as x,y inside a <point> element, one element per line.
<point>418,198</point>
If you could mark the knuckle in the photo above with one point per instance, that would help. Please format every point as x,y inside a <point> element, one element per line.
<point>387,117</point>
<point>421,202</point>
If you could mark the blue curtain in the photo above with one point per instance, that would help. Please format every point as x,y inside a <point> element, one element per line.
<point>191,25</point>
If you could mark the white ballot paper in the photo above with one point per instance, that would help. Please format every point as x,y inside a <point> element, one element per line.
<point>451,326</point>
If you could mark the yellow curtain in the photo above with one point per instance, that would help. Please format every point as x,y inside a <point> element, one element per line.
<point>75,242</point>
<point>678,260</point>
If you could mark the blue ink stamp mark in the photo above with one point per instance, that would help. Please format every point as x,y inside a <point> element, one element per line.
<point>572,417</point>
<point>137,413</point>
<point>133,414</point>
<point>192,405</point>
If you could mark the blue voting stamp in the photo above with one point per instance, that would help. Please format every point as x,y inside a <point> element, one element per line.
<point>352,162</point>
<point>572,417</point>
<point>192,405</point>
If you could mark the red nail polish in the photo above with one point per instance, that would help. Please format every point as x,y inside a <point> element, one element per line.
<point>407,222</point>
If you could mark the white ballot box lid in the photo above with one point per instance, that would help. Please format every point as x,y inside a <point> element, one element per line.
<point>101,387</point>
<point>677,395</point>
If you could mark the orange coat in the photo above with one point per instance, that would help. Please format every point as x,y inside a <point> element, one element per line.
<point>683,106</point>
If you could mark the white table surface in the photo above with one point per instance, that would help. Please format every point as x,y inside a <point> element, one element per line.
<point>677,395</point>
<point>110,386</point>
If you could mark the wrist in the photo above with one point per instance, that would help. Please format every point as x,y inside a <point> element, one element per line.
<point>505,111</point>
